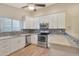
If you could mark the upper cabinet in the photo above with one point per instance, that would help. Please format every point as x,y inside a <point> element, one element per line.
<point>43,19</point>
<point>55,21</point>
<point>61,20</point>
<point>28,23</point>
<point>31,23</point>
<point>36,23</point>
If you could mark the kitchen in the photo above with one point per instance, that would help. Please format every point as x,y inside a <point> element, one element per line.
<point>48,28</point>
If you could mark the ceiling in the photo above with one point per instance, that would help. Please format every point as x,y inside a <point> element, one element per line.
<point>20,5</point>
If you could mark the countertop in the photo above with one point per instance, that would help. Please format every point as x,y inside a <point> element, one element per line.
<point>73,34</point>
<point>59,39</point>
<point>14,36</point>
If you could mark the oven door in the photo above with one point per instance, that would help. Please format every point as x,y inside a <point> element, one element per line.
<point>42,38</point>
<point>43,41</point>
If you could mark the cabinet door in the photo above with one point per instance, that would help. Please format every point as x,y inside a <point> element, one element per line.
<point>13,45</point>
<point>34,39</point>
<point>20,42</point>
<point>28,23</point>
<point>33,23</point>
<point>44,19</point>
<point>57,21</point>
<point>53,21</point>
<point>61,20</point>
<point>36,23</point>
<point>41,20</point>
<point>17,43</point>
<point>4,47</point>
<point>8,46</point>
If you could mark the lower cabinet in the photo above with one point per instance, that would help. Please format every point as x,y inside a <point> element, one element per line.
<point>34,38</point>
<point>4,47</point>
<point>8,46</point>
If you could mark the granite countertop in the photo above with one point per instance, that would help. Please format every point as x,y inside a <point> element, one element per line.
<point>17,35</point>
<point>73,34</point>
<point>13,36</point>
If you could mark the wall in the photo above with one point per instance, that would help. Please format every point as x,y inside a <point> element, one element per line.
<point>73,18</point>
<point>71,11</point>
<point>12,12</point>
<point>72,14</point>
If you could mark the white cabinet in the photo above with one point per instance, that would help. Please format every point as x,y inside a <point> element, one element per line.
<point>36,23</point>
<point>10,45</point>
<point>4,47</point>
<point>28,23</point>
<point>34,39</point>
<point>57,21</point>
<point>31,23</point>
<point>13,44</point>
<point>61,20</point>
<point>21,42</point>
<point>17,43</point>
<point>43,19</point>
<point>25,23</point>
<point>53,21</point>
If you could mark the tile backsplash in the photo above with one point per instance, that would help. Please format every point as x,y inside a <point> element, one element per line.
<point>9,33</point>
<point>24,31</point>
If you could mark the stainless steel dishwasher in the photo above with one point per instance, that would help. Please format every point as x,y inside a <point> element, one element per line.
<point>27,40</point>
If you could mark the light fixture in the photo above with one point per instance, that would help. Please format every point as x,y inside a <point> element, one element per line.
<point>31,7</point>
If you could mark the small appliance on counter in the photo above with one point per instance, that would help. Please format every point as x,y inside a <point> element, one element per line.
<point>43,35</point>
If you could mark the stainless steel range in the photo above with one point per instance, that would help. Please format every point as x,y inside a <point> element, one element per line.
<point>43,35</point>
<point>43,40</point>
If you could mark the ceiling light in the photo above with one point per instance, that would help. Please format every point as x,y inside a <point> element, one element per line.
<point>31,7</point>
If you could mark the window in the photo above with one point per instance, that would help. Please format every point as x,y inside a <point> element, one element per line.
<point>16,25</point>
<point>1,24</point>
<point>9,24</point>
<point>5,24</point>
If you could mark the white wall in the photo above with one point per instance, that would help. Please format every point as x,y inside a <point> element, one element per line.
<point>12,12</point>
